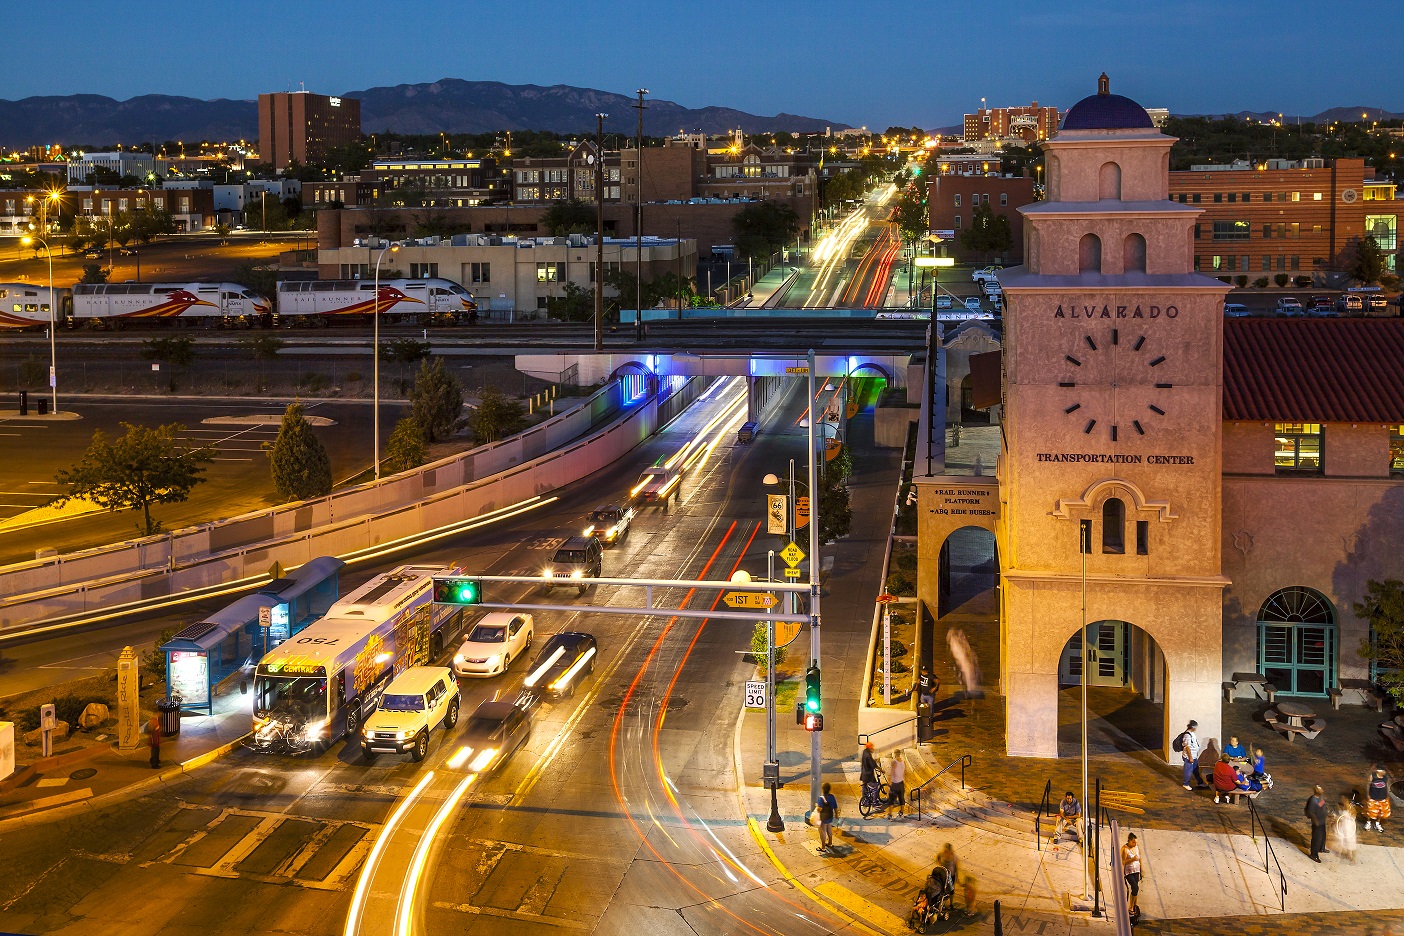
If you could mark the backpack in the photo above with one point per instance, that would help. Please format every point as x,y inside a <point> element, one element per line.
<point>1179,744</point>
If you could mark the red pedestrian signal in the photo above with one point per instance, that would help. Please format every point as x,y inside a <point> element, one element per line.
<point>813,722</point>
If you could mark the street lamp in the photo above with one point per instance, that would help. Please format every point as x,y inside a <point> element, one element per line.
<point>375,352</point>
<point>53,319</point>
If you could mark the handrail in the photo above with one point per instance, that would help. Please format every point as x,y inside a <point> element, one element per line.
<point>1256,821</point>
<point>865,738</point>
<point>1039,813</point>
<point>964,761</point>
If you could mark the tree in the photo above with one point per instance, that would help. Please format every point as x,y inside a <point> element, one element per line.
<point>178,350</point>
<point>144,467</point>
<point>761,229</point>
<point>436,401</point>
<point>301,468</point>
<point>910,216</point>
<point>94,273</point>
<point>1383,607</point>
<point>1367,264</point>
<point>758,642</point>
<point>497,416</point>
<point>835,510</point>
<point>577,305</point>
<point>569,217</point>
<point>264,347</point>
<point>404,350</point>
<point>989,233</point>
<point>406,448</point>
<point>674,291</point>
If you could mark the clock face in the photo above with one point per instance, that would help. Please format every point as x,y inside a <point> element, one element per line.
<point>1127,362</point>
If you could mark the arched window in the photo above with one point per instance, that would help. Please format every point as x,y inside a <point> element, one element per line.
<point>1109,182</point>
<point>1089,254</point>
<point>1113,526</point>
<point>1133,254</point>
<point>1297,641</point>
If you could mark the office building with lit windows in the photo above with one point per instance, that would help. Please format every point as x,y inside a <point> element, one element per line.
<point>302,127</point>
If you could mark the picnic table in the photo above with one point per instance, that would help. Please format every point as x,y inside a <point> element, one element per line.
<point>1257,680</point>
<point>1295,718</point>
<point>1369,695</point>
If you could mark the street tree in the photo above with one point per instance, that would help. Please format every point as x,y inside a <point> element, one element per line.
<point>177,351</point>
<point>569,217</point>
<point>141,468</point>
<point>910,216</point>
<point>835,509</point>
<point>763,228</point>
<point>94,273</point>
<point>436,400</point>
<point>405,448</point>
<point>299,462</point>
<point>577,305</point>
<point>497,416</point>
<point>1367,264</point>
<point>1383,607</point>
<point>988,234</point>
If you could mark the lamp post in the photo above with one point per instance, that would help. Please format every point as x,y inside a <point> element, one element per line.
<point>1085,546</point>
<point>638,220</point>
<point>53,319</point>
<point>375,353</point>
<point>599,232</point>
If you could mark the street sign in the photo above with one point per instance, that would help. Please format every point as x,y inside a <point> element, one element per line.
<point>265,617</point>
<point>792,573</point>
<point>775,513</point>
<point>831,449</point>
<point>755,694</point>
<point>886,598</point>
<point>801,512</point>
<point>851,409</point>
<point>792,555</point>
<point>762,601</point>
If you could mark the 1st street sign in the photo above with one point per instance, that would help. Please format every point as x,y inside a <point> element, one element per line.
<point>761,601</point>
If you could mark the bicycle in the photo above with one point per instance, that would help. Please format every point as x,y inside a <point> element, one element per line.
<point>876,796</point>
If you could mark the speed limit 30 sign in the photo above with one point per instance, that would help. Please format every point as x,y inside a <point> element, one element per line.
<point>755,694</point>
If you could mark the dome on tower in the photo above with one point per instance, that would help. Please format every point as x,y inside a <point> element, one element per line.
<point>1107,111</point>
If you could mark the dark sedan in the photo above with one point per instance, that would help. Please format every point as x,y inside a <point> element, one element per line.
<point>564,661</point>
<point>492,735</point>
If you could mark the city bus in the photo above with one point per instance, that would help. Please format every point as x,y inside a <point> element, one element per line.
<point>322,683</point>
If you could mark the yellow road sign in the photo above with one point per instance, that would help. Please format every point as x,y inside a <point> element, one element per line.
<point>792,573</point>
<point>792,555</point>
<point>760,600</point>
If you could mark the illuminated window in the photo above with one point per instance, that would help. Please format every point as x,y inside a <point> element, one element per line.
<point>1298,448</point>
<point>1396,451</point>
<point>1232,230</point>
<point>1316,196</point>
<point>550,272</point>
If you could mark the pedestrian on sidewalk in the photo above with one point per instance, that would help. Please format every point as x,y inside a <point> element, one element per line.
<point>153,738</point>
<point>1343,830</point>
<point>828,812</point>
<point>897,781</point>
<point>1069,817</point>
<point>947,861</point>
<point>1188,746</point>
<point>1131,865</point>
<point>927,684</point>
<point>1376,798</point>
<point>1316,812</point>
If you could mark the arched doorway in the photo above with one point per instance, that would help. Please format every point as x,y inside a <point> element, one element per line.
<point>1126,679</point>
<point>1297,641</point>
<point>969,570</point>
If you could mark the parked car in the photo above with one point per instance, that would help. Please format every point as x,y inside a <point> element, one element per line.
<point>972,303</point>
<point>494,732</point>
<point>1349,302</point>
<point>493,643</point>
<point>1377,305</point>
<point>610,524</point>
<point>943,302</point>
<point>416,702</point>
<point>578,558</point>
<point>1320,302</point>
<point>984,274</point>
<point>1289,306</point>
<point>1235,310</point>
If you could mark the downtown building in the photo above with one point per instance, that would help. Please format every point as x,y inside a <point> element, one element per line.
<point>1211,496</point>
<point>1030,124</point>
<point>302,127</point>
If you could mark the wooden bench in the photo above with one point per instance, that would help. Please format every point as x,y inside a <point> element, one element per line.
<point>1369,695</point>
<point>1249,679</point>
<point>1291,731</point>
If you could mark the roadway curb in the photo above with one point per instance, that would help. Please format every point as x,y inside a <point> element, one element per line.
<point>168,777</point>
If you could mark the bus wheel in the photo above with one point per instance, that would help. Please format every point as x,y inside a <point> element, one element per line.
<point>353,722</point>
<point>421,747</point>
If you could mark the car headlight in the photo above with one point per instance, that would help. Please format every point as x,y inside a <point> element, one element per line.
<point>484,759</point>
<point>546,572</point>
<point>578,573</point>
<point>494,661</point>
<point>458,658</point>
<point>366,731</point>
<point>317,729</point>
<point>588,531</point>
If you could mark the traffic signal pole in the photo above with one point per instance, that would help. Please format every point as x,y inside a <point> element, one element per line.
<point>815,737</point>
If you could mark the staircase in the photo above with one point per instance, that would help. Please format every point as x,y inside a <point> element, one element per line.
<point>943,802</point>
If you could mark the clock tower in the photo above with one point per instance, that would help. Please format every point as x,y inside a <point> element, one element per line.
<point>1110,475</point>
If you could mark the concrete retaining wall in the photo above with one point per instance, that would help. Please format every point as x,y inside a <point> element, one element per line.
<point>400,506</point>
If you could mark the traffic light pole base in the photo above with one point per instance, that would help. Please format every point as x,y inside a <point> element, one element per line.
<point>775,823</point>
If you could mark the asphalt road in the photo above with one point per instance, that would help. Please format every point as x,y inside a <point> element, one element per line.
<point>180,258</point>
<point>612,819</point>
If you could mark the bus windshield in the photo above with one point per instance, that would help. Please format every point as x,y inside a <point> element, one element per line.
<point>301,698</point>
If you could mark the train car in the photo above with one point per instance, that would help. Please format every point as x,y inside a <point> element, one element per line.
<point>25,305</point>
<point>324,681</point>
<point>117,304</point>
<point>402,301</point>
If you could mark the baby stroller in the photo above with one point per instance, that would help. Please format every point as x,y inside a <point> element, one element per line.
<point>933,903</point>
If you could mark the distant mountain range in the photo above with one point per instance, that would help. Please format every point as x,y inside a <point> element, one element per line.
<point>1335,114</point>
<point>451,105</point>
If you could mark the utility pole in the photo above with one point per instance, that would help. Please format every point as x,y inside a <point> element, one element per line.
<point>599,232</point>
<point>815,746</point>
<point>680,271</point>
<point>638,220</point>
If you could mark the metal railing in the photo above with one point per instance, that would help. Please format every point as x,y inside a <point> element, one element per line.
<point>964,761</point>
<point>864,738</point>
<point>1039,813</point>
<point>1256,822</point>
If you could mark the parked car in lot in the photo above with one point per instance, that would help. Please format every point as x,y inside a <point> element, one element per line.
<point>493,734</point>
<point>1377,305</point>
<point>1349,302</point>
<point>493,643</point>
<point>1320,302</point>
<point>579,558</point>
<point>416,702</point>
<point>985,274</point>
<point>1289,306</point>
<point>562,663</point>
<point>943,302</point>
<point>1235,310</point>
<point>972,303</point>
<point>610,524</point>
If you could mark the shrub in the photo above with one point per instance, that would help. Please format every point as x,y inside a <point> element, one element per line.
<point>1303,282</point>
<point>1260,283</point>
<point>32,374</point>
<point>301,468</point>
<point>1240,281</point>
<point>758,648</point>
<point>153,661</point>
<point>313,382</point>
<point>1280,279</point>
<point>353,376</point>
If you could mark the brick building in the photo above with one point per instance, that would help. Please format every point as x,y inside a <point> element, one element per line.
<point>302,127</point>
<point>1295,218</point>
<point>1030,123</point>
<point>191,206</point>
<point>439,181</point>
<point>952,200</point>
<point>536,180</point>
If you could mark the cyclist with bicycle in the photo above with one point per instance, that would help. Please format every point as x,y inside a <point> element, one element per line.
<point>873,783</point>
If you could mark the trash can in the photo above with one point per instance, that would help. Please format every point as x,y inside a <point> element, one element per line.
<point>925,732</point>
<point>24,403</point>
<point>43,406</point>
<point>170,716</point>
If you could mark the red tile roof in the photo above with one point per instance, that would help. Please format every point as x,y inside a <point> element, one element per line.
<point>1314,370</point>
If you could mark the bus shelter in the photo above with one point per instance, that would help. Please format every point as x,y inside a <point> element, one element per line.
<point>203,654</point>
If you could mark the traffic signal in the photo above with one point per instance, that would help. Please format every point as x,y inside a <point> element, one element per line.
<point>457,591</point>
<point>811,691</point>
<point>814,722</point>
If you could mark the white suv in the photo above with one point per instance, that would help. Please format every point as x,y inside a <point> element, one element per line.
<point>493,643</point>
<point>414,704</point>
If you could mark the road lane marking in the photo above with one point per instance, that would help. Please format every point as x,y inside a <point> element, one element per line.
<point>512,915</point>
<point>863,908</point>
<point>797,885</point>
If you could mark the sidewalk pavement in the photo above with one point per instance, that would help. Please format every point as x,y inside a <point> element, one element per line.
<point>98,776</point>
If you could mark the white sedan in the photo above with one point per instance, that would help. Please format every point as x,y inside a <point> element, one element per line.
<point>493,643</point>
